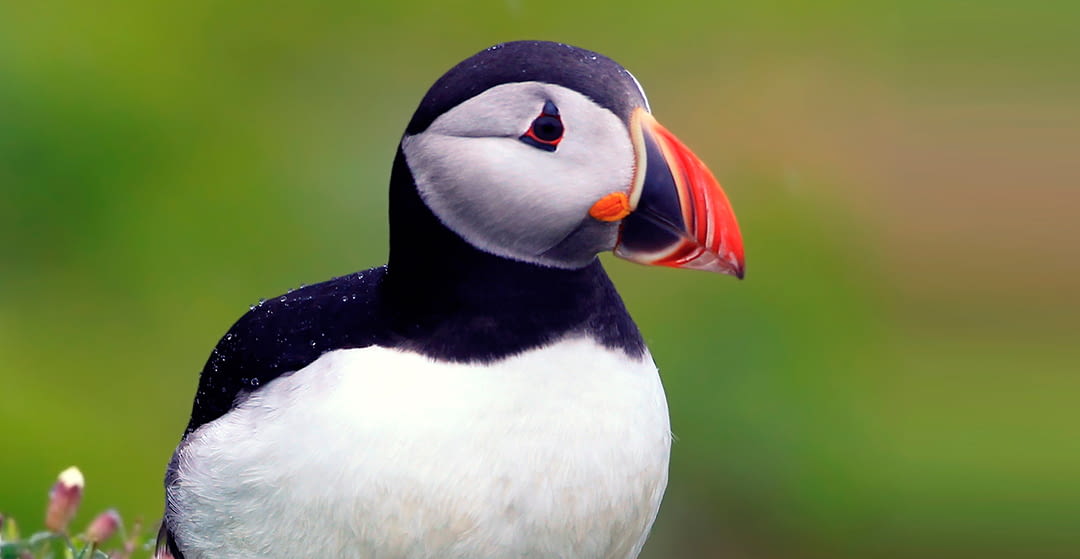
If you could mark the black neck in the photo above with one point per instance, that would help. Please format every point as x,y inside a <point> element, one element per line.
<point>450,300</point>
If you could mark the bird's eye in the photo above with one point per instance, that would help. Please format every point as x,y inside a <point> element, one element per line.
<point>546,131</point>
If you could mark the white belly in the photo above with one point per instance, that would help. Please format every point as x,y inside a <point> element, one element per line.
<point>560,452</point>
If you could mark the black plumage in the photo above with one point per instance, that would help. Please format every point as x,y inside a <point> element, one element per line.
<point>438,296</point>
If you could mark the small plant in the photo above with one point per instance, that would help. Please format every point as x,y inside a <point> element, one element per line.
<point>55,542</point>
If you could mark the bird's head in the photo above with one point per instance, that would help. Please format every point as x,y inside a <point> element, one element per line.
<point>549,154</point>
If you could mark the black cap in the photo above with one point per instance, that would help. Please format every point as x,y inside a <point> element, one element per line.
<point>596,76</point>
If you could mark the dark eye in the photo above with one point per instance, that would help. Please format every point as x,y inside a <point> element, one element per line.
<point>546,130</point>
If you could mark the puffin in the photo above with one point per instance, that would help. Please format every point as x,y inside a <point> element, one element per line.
<point>484,394</point>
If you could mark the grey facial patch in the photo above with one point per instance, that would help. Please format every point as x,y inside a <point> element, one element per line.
<point>584,243</point>
<point>640,89</point>
<point>508,198</point>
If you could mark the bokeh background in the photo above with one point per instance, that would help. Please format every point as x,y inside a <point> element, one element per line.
<point>896,377</point>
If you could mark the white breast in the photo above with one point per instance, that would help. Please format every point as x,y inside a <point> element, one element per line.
<point>560,452</point>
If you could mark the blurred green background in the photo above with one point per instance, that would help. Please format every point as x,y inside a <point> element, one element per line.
<point>896,377</point>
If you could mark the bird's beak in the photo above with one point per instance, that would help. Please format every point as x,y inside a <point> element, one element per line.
<point>678,214</point>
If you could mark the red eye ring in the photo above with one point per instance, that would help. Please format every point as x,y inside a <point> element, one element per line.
<point>546,130</point>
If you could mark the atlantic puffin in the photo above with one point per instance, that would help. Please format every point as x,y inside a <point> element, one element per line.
<point>485,394</point>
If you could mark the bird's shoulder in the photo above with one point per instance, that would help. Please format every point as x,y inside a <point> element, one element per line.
<point>285,333</point>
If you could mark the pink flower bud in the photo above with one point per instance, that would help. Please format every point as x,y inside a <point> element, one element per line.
<point>103,527</point>
<point>64,499</point>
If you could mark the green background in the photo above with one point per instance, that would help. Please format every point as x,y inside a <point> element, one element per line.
<point>896,377</point>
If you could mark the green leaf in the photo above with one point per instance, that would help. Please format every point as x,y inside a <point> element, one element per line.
<point>11,550</point>
<point>42,537</point>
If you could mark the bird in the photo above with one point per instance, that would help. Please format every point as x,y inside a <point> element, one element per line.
<point>485,394</point>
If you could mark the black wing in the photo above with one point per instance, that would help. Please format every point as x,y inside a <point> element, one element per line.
<point>285,334</point>
<point>276,337</point>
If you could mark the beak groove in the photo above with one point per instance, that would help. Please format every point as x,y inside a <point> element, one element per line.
<point>680,216</point>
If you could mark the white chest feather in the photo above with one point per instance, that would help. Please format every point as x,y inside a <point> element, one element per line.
<point>560,452</point>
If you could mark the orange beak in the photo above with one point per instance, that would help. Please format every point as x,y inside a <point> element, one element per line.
<point>679,216</point>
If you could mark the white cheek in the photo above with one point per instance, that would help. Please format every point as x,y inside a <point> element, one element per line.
<point>491,191</point>
<point>507,197</point>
